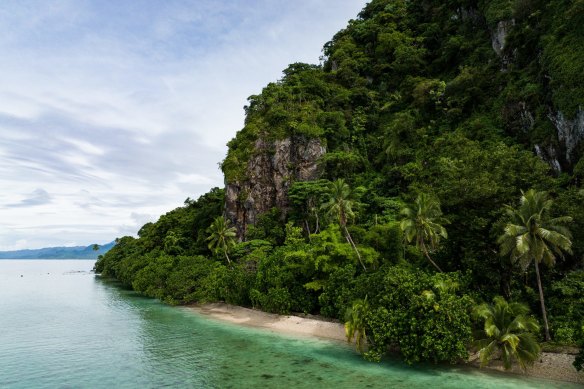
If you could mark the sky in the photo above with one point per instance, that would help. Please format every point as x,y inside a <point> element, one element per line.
<point>113,112</point>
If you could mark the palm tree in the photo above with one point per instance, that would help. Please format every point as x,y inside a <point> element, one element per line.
<point>355,323</point>
<point>340,205</point>
<point>422,223</point>
<point>531,235</point>
<point>508,332</point>
<point>221,236</point>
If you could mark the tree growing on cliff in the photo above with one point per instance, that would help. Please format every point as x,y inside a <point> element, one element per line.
<point>422,223</point>
<point>531,235</point>
<point>305,197</point>
<point>340,206</point>
<point>221,236</point>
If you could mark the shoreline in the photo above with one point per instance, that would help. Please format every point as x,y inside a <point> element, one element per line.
<point>308,326</point>
<point>551,366</point>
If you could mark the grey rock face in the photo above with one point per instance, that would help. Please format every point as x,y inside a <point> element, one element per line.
<point>270,172</point>
<point>549,155</point>
<point>570,132</point>
<point>499,35</point>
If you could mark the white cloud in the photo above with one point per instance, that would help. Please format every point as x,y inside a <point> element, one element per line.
<point>34,199</point>
<point>120,111</point>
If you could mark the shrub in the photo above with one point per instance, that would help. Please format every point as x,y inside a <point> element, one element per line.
<point>416,313</point>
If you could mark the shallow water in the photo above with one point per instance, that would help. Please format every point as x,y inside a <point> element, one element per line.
<point>61,326</point>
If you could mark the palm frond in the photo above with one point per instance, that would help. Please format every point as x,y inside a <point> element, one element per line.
<point>509,331</point>
<point>487,352</point>
<point>561,220</point>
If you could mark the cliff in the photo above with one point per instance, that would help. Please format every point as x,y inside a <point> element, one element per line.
<point>269,173</point>
<point>406,98</point>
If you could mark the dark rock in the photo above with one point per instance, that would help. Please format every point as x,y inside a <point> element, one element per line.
<point>270,171</point>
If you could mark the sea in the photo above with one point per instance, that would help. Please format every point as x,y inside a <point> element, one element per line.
<point>62,326</point>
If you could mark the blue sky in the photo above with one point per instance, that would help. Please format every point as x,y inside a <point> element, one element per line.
<point>113,112</point>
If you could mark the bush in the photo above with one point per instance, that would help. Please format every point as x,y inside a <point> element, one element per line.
<point>178,280</point>
<point>566,307</point>
<point>276,300</point>
<point>387,240</point>
<point>235,284</point>
<point>420,315</point>
<point>338,292</point>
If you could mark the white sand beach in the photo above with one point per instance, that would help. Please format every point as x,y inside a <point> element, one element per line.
<point>289,324</point>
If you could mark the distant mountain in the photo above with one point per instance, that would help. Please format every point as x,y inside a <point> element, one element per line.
<point>77,252</point>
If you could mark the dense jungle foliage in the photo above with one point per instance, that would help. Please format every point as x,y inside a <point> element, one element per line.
<point>422,121</point>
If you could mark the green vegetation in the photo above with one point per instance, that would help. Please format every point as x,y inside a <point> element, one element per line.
<point>532,236</point>
<point>426,127</point>
<point>340,207</point>
<point>355,326</point>
<point>221,236</point>
<point>421,224</point>
<point>423,316</point>
<point>508,332</point>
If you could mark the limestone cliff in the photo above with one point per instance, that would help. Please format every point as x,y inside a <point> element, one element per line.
<point>562,149</point>
<point>570,133</point>
<point>271,169</point>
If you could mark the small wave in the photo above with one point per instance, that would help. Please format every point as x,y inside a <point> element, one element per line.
<point>74,272</point>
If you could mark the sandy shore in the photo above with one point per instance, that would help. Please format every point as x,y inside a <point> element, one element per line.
<point>551,366</point>
<point>296,325</point>
<point>554,366</point>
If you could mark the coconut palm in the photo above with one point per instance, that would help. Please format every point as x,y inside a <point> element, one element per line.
<point>532,236</point>
<point>508,332</point>
<point>422,223</point>
<point>340,206</point>
<point>355,323</point>
<point>221,236</point>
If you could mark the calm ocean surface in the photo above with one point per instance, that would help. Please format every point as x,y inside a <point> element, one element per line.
<point>63,327</point>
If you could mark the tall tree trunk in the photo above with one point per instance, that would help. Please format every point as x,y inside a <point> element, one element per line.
<point>542,301</point>
<point>425,250</point>
<point>317,227</point>
<point>350,240</point>
<point>226,256</point>
<point>312,208</point>
<point>505,280</point>
<point>307,228</point>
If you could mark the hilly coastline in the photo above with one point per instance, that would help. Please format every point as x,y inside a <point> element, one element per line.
<point>76,252</point>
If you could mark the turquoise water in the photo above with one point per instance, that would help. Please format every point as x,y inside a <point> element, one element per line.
<point>63,327</point>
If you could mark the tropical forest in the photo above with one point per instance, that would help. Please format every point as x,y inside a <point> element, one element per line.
<point>422,184</point>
